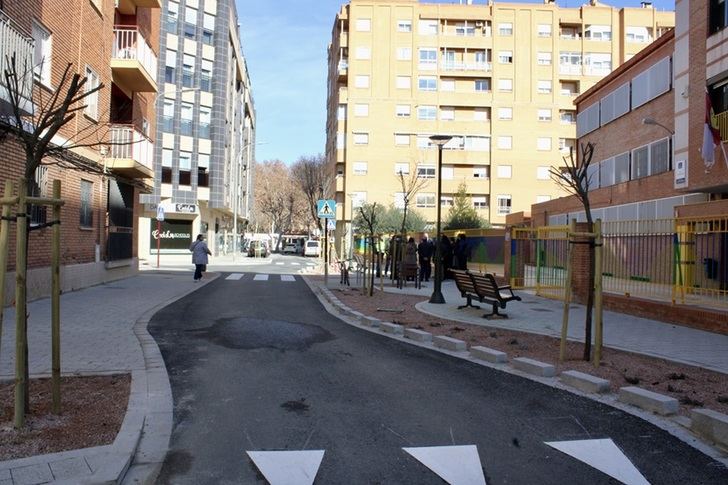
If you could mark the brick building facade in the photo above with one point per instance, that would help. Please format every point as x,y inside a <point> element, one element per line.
<point>111,43</point>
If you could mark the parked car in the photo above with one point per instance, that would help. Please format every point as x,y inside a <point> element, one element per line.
<point>312,248</point>
<point>291,248</point>
<point>258,249</point>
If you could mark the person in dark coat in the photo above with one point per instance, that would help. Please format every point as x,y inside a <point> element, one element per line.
<point>462,252</point>
<point>425,250</point>
<point>446,256</point>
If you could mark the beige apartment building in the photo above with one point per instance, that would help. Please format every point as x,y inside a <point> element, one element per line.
<point>500,78</point>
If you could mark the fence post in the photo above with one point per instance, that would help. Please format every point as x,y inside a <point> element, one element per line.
<point>21,336</point>
<point>567,290</point>
<point>598,262</point>
<point>4,237</point>
<point>56,301</point>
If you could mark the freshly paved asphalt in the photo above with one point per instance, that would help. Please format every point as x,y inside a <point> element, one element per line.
<point>260,365</point>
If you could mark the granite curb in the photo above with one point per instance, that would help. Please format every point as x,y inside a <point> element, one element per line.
<point>678,426</point>
<point>138,451</point>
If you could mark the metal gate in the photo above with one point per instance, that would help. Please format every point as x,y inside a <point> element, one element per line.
<point>538,259</point>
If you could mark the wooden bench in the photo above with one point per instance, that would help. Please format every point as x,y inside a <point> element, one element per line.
<point>488,291</point>
<point>466,288</point>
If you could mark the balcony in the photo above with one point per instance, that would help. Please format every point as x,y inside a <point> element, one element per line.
<point>14,42</point>
<point>570,69</point>
<point>721,120</point>
<point>343,68</point>
<point>474,67</point>
<point>128,7</point>
<point>133,63</point>
<point>132,153</point>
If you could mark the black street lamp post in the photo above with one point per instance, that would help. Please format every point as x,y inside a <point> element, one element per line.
<point>437,297</point>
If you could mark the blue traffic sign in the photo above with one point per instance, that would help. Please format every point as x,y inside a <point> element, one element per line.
<point>326,208</point>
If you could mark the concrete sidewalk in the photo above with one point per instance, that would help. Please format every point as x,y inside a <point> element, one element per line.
<point>625,332</point>
<point>103,331</point>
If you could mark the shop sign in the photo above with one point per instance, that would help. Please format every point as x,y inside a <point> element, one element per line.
<point>172,235</point>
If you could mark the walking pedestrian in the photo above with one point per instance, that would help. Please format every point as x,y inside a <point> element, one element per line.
<point>425,250</point>
<point>462,252</point>
<point>200,251</point>
<point>446,256</point>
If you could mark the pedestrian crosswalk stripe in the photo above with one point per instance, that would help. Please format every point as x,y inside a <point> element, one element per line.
<point>296,264</point>
<point>457,465</point>
<point>261,277</point>
<point>287,277</point>
<point>288,467</point>
<point>280,264</point>
<point>605,456</point>
<point>234,276</point>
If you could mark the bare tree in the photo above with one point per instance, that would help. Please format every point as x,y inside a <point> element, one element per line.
<point>575,178</point>
<point>411,184</point>
<point>369,217</point>
<point>278,200</point>
<point>313,179</point>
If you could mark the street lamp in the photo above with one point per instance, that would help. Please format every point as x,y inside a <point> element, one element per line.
<point>437,297</point>
<point>652,121</point>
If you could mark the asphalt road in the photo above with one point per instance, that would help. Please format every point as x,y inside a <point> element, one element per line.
<point>260,365</point>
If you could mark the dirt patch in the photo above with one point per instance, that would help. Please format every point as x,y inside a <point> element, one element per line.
<point>692,386</point>
<point>92,411</point>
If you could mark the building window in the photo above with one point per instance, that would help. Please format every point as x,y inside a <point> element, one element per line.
<point>641,35</point>
<point>404,53</point>
<point>505,85</point>
<point>188,70</point>
<point>428,59</point>
<point>426,171</point>
<point>427,83</point>
<point>359,110</point>
<point>504,204</point>
<point>404,26</point>
<point>208,29</point>
<point>428,27</point>
<point>358,199</point>
<point>505,113</point>
<point>203,170</point>
<point>37,188</point>
<point>363,53</point>
<point>472,143</point>
<point>426,112</point>
<point>360,168</point>
<point>340,141</point>
<point>190,22</point>
<point>543,87</point>
<point>567,117</point>
<point>660,156</point>
<point>505,142</point>
<point>544,115</point>
<point>399,200</point>
<point>401,168</point>
<point>505,171</point>
<point>205,119</point>
<point>482,85</point>
<point>543,173</point>
<point>167,165</point>
<point>363,25</point>
<point>480,172</point>
<point>447,85</point>
<point>446,201</point>
<point>480,202</point>
<point>543,144</point>
<point>447,113</point>
<point>601,33</point>
<point>425,200</point>
<point>543,58</point>
<point>505,29</point>
<point>544,30</point>
<point>86,215</point>
<point>404,82</point>
<point>401,139</point>
<point>402,110</point>
<point>206,75</point>
<point>168,116</point>
<point>91,100</point>
<point>448,172</point>
<point>481,114</point>
<point>505,57</point>
<point>43,54</point>
<point>185,168</point>
<point>186,119</point>
<point>361,81</point>
<point>361,138</point>
<point>718,15</point>
<point>172,16</point>
<point>170,66</point>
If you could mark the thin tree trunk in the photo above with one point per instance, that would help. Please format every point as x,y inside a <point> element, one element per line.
<point>589,298</point>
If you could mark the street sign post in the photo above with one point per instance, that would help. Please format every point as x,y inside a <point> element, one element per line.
<point>326,209</point>
<point>160,218</point>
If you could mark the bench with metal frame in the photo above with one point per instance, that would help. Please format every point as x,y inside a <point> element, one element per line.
<point>489,292</point>
<point>466,288</point>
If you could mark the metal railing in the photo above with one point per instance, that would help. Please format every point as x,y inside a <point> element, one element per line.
<point>465,66</point>
<point>570,69</point>
<point>129,43</point>
<point>13,41</point>
<point>128,143</point>
<point>721,119</point>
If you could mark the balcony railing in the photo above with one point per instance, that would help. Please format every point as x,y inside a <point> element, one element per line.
<point>721,119</point>
<point>128,143</point>
<point>596,71</point>
<point>466,66</point>
<point>14,42</point>
<point>129,43</point>
<point>570,69</point>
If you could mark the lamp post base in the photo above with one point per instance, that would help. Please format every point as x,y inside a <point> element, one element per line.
<point>437,297</point>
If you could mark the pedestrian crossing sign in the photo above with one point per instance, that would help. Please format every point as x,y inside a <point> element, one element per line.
<point>326,209</point>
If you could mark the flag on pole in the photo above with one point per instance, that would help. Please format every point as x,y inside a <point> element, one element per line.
<point>711,135</point>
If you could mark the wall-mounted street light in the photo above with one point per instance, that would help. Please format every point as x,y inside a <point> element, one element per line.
<point>652,121</point>
<point>440,141</point>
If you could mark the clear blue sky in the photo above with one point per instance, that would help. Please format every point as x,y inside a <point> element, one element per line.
<point>285,44</point>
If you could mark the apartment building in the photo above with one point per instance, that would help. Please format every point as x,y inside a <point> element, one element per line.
<point>500,78</point>
<point>113,43</point>
<point>206,125</point>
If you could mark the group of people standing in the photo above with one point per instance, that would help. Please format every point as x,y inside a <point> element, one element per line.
<point>453,255</point>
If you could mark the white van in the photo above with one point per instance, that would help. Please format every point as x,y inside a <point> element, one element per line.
<point>312,248</point>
